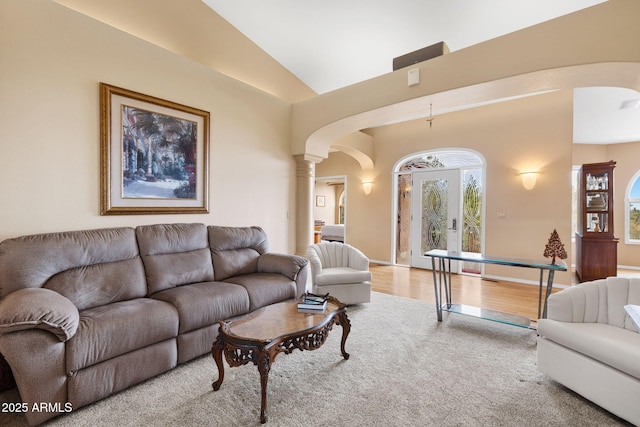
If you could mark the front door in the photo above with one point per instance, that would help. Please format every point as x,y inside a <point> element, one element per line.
<point>434,214</point>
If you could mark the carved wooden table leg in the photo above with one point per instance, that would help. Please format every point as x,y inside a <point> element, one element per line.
<point>216,352</point>
<point>343,320</point>
<point>264,366</point>
<point>250,346</point>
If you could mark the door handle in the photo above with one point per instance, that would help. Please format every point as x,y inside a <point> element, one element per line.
<point>454,225</point>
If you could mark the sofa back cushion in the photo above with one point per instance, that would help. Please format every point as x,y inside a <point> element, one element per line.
<point>235,250</point>
<point>91,267</point>
<point>599,301</point>
<point>174,255</point>
<point>338,254</point>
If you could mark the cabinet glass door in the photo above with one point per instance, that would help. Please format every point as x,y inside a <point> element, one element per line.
<point>597,212</point>
<point>597,181</point>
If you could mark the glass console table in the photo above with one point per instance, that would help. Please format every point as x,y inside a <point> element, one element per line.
<point>441,266</point>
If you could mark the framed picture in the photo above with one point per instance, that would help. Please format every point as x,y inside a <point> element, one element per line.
<point>154,155</point>
<point>320,201</point>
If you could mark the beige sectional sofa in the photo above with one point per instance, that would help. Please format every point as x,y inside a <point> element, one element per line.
<point>85,314</point>
<point>589,344</point>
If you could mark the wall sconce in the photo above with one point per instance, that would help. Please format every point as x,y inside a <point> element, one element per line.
<point>406,192</point>
<point>529,179</point>
<point>366,186</point>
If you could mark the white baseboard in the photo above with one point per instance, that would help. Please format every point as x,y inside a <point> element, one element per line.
<point>526,282</point>
<point>629,267</point>
<point>375,261</point>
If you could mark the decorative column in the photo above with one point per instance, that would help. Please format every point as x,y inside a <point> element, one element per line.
<point>305,176</point>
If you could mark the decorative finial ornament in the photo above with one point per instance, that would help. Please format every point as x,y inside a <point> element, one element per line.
<point>554,248</point>
<point>430,119</point>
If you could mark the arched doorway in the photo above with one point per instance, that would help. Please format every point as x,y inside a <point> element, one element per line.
<point>330,213</point>
<point>426,217</point>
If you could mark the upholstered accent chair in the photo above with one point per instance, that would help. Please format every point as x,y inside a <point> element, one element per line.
<point>589,343</point>
<point>340,270</point>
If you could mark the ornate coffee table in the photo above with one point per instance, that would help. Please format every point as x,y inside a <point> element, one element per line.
<point>261,335</point>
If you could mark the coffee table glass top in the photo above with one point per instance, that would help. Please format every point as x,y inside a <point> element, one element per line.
<point>277,320</point>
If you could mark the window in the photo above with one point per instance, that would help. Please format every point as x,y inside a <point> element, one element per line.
<point>574,201</point>
<point>632,209</point>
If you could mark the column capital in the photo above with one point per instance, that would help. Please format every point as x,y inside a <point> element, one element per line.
<point>308,157</point>
<point>304,167</point>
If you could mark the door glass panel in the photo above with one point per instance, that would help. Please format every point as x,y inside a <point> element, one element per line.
<point>403,233</point>
<point>471,213</point>
<point>434,214</point>
<point>435,211</point>
<point>471,217</point>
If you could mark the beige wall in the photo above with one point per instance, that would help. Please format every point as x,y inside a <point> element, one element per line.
<point>52,62</point>
<point>589,153</point>
<point>508,136</point>
<point>193,30</point>
<point>627,165</point>
<point>517,135</point>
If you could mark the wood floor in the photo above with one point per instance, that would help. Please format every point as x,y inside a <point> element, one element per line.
<point>508,297</point>
<point>514,298</point>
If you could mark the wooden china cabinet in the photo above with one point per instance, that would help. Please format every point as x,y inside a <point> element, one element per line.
<point>596,246</point>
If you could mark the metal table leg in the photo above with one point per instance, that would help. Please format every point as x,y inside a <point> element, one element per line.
<point>436,283</point>
<point>448,282</point>
<point>540,293</point>
<point>546,297</point>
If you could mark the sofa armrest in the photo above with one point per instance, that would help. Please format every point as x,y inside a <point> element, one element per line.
<point>301,281</point>
<point>287,265</point>
<point>39,308</point>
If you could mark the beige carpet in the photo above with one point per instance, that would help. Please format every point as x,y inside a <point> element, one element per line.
<point>405,369</point>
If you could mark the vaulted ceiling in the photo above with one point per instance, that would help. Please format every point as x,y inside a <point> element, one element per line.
<point>323,46</point>
<point>330,44</point>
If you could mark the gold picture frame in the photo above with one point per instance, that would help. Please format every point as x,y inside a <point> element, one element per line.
<point>154,155</point>
<point>320,202</point>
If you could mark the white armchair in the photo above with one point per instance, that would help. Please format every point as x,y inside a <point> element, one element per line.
<point>589,344</point>
<point>340,270</point>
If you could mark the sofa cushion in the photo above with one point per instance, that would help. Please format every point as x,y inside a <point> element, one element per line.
<point>265,288</point>
<point>235,250</point>
<point>203,304</point>
<point>36,308</point>
<point>91,267</point>
<point>174,255</point>
<point>101,284</point>
<point>342,275</point>
<point>111,330</point>
<point>102,379</point>
<point>611,345</point>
